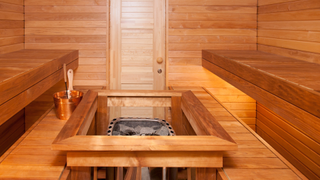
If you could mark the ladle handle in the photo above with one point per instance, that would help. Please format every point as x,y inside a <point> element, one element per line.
<point>70,79</point>
<point>65,72</point>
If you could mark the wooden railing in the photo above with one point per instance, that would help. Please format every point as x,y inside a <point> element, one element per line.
<point>204,151</point>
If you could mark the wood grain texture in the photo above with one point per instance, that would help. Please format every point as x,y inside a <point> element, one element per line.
<point>176,115</point>
<point>200,118</point>
<point>11,131</point>
<point>72,25</point>
<point>259,65</point>
<point>85,111</point>
<point>137,40</point>
<point>206,174</point>
<point>145,159</point>
<point>102,115</point>
<point>12,23</point>
<point>289,6</point>
<point>287,138</point>
<point>34,78</point>
<point>217,2</point>
<point>196,25</point>
<point>39,106</point>
<point>139,102</point>
<point>252,151</point>
<point>282,108</point>
<point>302,151</point>
<point>31,160</point>
<point>144,151</point>
<point>283,27</point>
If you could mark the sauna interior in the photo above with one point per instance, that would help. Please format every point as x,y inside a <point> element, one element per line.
<point>248,68</point>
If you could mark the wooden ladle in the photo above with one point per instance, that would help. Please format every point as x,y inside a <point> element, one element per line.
<point>70,80</point>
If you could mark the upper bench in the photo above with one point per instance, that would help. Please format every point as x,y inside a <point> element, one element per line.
<point>26,74</point>
<point>287,86</point>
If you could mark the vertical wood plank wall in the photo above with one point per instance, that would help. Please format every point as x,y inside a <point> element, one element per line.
<point>137,24</point>
<point>290,28</point>
<point>11,26</point>
<point>55,24</point>
<point>137,37</point>
<point>199,24</point>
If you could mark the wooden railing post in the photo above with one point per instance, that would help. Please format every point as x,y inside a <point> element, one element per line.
<point>102,115</point>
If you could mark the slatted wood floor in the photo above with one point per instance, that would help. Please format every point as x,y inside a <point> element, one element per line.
<point>31,156</point>
<point>254,159</point>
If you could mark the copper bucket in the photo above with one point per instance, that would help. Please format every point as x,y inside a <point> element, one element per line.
<point>64,106</point>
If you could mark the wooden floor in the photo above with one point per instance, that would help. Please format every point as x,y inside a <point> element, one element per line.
<point>31,156</point>
<point>254,159</point>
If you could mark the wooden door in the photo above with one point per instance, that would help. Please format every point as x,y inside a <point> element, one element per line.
<point>137,40</point>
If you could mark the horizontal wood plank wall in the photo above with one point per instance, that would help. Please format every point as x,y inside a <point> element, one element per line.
<point>199,24</point>
<point>11,26</point>
<point>82,25</point>
<point>39,106</point>
<point>290,28</point>
<point>238,103</point>
<point>302,151</point>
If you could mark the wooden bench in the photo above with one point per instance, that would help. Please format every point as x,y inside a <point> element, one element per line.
<point>31,156</point>
<point>287,94</point>
<point>254,159</point>
<point>287,86</point>
<point>24,76</point>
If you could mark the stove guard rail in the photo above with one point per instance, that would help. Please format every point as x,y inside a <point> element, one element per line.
<point>199,142</point>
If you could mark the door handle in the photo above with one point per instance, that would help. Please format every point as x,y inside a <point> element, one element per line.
<point>159,60</point>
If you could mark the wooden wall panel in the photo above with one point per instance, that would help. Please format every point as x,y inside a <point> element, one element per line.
<point>238,103</point>
<point>11,26</point>
<point>296,146</point>
<point>11,131</point>
<point>196,25</point>
<point>83,25</point>
<point>290,28</point>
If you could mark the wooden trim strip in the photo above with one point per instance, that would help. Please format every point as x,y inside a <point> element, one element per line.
<point>145,159</point>
<point>143,143</point>
<point>140,101</point>
<point>139,93</point>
